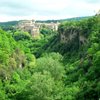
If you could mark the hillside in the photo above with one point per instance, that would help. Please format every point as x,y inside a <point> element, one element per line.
<point>13,23</point>
<point>10,23</point>
<point>59,65</point>
<point>62,20</point>
<point>79,43</point>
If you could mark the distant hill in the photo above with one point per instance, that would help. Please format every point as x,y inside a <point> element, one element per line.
<point>9,23</point>
<point>61,20</point>
<point>13,23</point>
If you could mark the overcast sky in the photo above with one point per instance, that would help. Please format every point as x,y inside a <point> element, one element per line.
<point>46,9</point>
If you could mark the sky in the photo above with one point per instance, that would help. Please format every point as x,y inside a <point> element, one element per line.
<point>46,9</point>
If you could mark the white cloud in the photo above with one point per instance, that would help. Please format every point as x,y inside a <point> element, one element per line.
<point>46,9</point>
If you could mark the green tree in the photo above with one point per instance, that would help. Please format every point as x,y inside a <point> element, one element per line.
<point>41,87</point>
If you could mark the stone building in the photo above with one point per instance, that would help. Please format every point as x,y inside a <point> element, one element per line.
<point>29,26</point>
<point>53,26</point>
<point>34,28</point>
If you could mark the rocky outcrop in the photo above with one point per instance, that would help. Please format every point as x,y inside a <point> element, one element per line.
<point>70,34</point>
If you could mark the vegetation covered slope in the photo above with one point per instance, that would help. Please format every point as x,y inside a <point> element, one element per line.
<point>58,66</point>
<point>81,58</point>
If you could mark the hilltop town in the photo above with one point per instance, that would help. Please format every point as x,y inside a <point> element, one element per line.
<point>34,27</point>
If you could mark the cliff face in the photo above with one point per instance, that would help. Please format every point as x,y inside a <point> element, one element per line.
<point>72,34</point>
<point>69,36</point>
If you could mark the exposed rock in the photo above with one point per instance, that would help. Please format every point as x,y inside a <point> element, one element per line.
<point>71,34</point>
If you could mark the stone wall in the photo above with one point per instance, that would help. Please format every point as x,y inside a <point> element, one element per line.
<point>29,26</point>
<point>34,28</point>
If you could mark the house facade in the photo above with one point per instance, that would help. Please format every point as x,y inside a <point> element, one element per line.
<point>34,28</point>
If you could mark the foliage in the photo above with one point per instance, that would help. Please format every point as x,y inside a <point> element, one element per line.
<point>42,86</point>
<point>20,35</point>
<point>46,68</point>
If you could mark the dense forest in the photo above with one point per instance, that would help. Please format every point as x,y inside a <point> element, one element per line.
<point>51,67</point>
